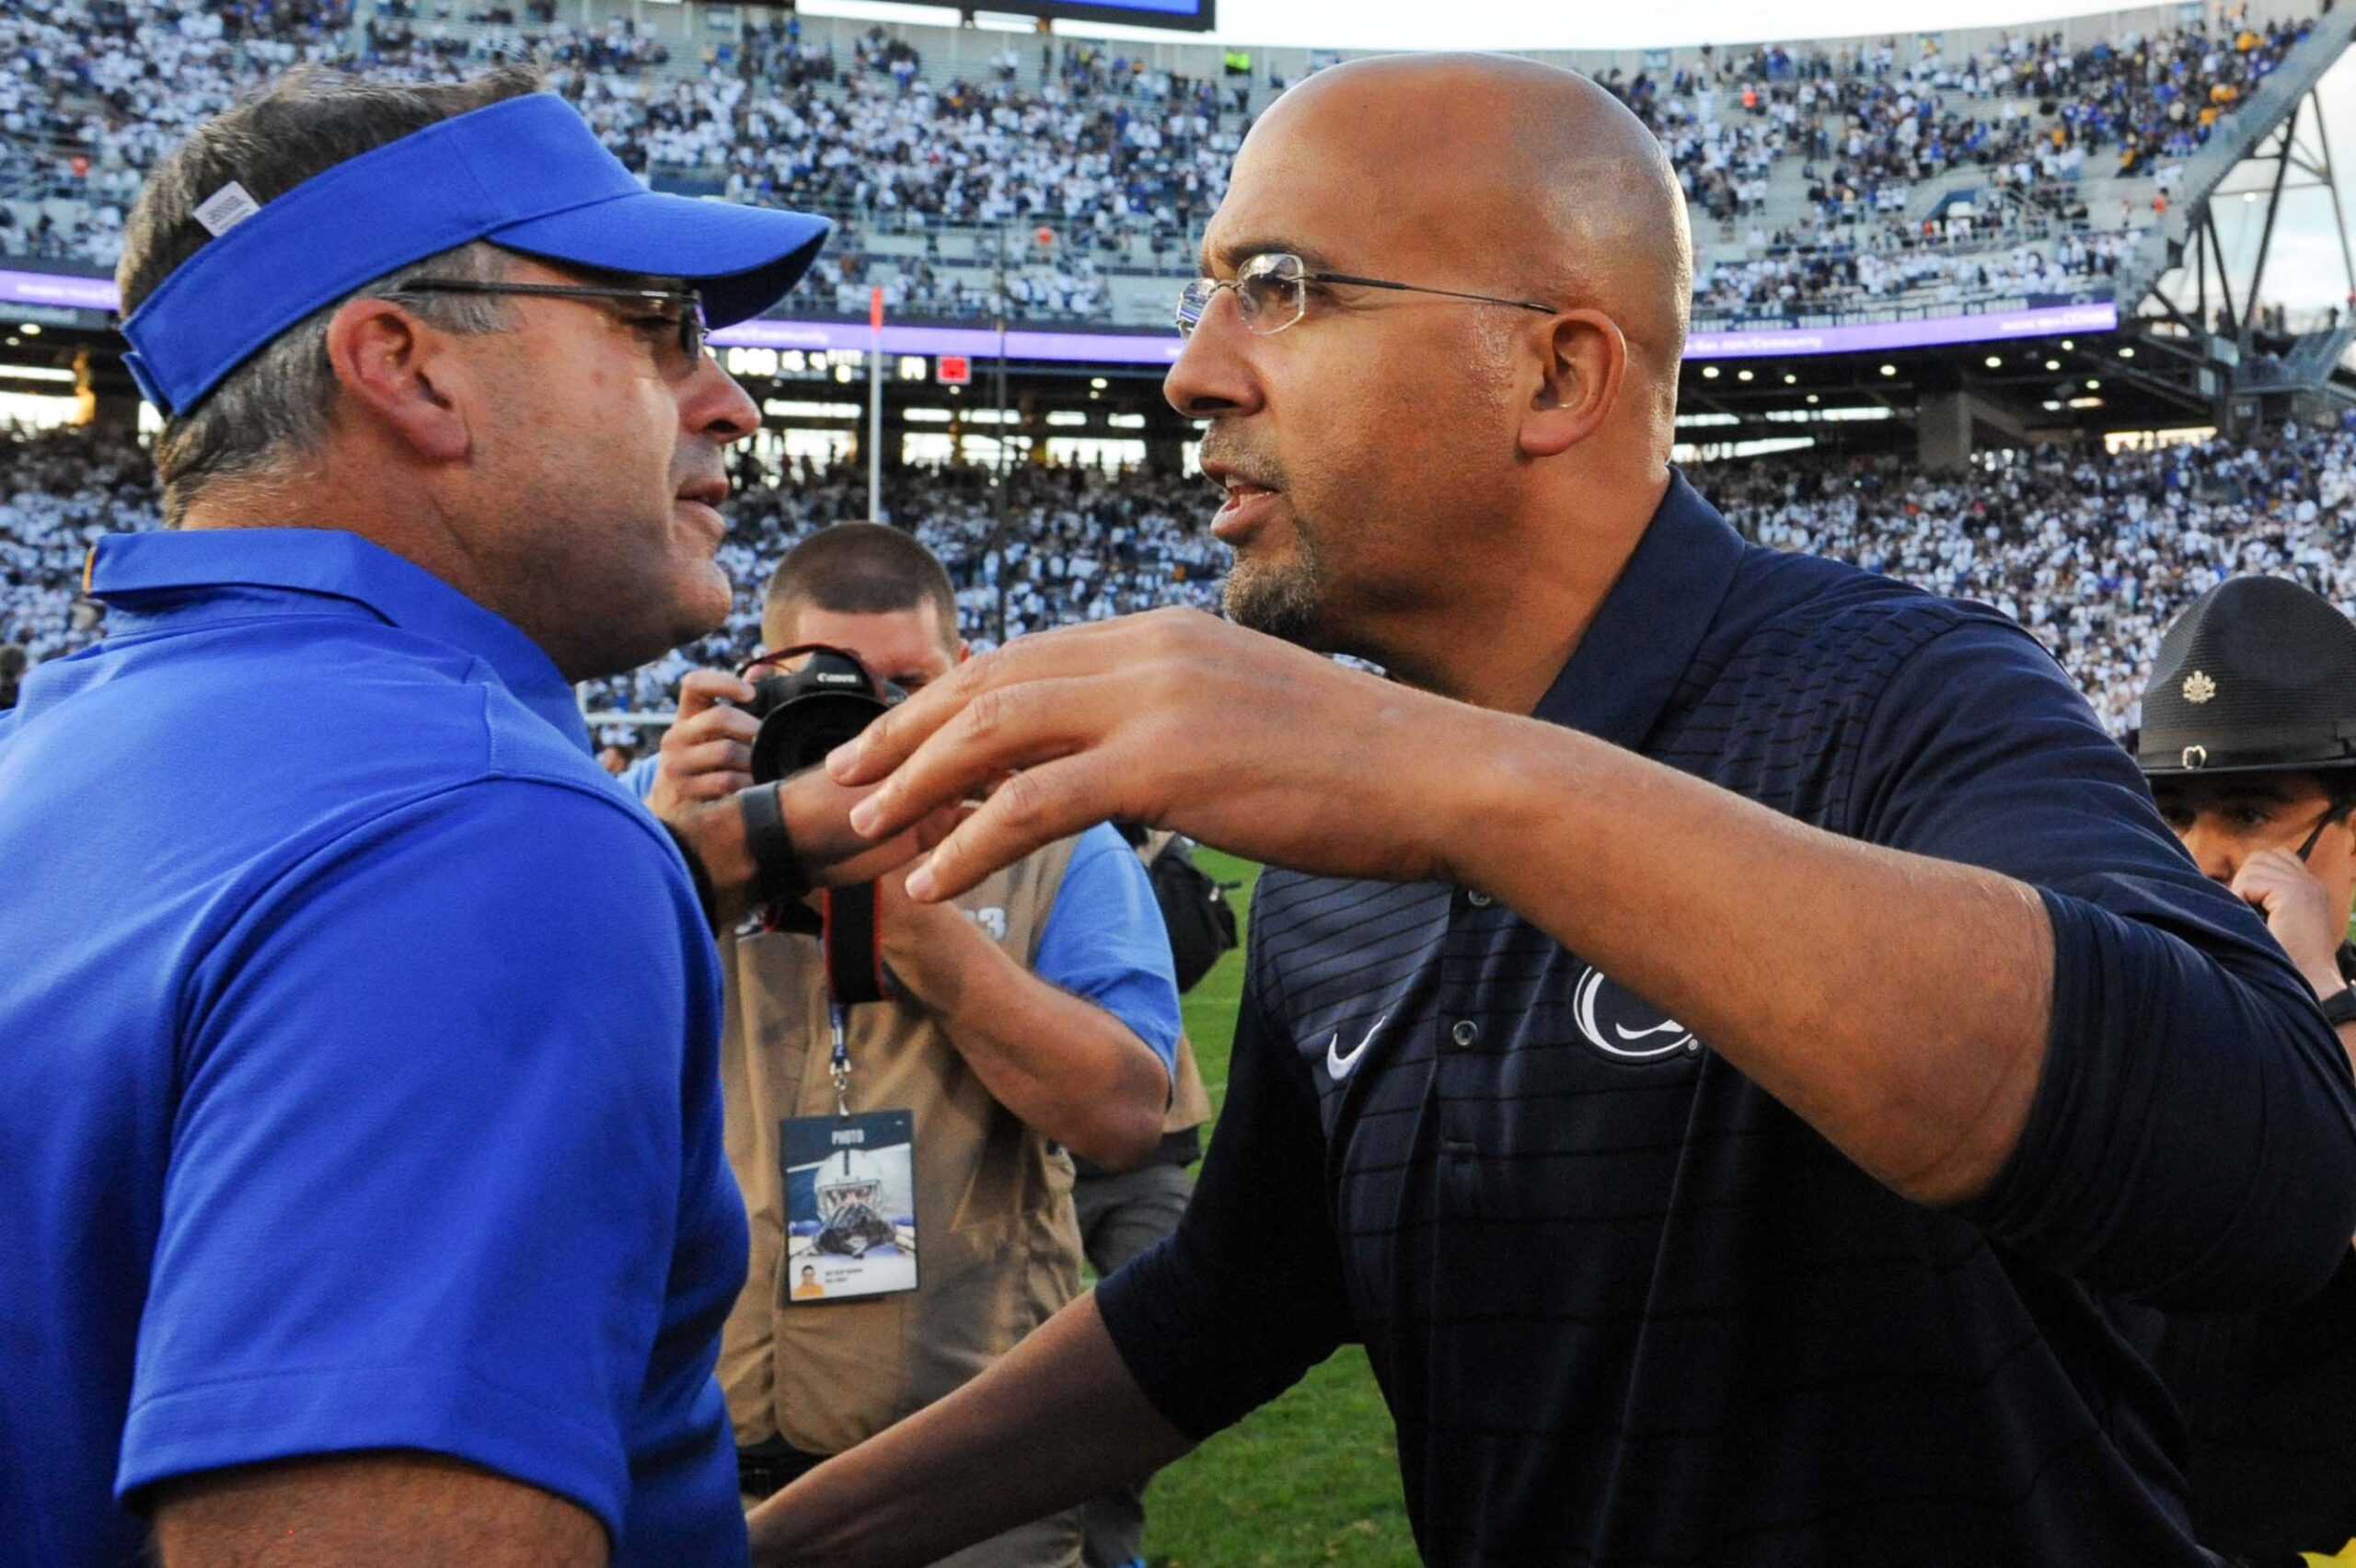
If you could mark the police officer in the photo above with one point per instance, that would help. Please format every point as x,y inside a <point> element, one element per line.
<point>2249,742</point>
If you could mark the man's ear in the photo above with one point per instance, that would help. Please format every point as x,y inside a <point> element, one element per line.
<point>397,372</point>
<point>1585,356</point>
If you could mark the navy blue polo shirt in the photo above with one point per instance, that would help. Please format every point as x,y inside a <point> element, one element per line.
<point>358,1062</point>
<point>1627,1309</point>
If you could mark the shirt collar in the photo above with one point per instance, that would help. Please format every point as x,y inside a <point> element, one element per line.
<point>1650,625</point>
<point>122,568</point>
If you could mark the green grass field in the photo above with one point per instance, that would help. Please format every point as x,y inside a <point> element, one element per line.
<point>1312,1477</point>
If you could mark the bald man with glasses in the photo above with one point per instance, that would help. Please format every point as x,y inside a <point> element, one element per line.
<point>1728,1033</point>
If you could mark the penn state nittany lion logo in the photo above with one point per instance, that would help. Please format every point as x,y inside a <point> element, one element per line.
<point>1623,1025</point>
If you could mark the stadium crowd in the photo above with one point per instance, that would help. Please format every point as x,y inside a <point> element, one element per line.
<point>1898,262</point>
<point>2093,553</point>
<point>1869,124</point>
<point>1125,160</point>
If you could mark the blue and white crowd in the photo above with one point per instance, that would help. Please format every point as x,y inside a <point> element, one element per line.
<point>2095,553</point>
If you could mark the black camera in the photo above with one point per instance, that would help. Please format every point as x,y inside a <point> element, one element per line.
<point>808,712</point>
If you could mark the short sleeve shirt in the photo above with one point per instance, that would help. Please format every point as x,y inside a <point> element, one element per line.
<point>1629,1309</point>
<point>358,1078</point>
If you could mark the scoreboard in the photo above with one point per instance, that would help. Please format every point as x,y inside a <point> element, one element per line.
<point>1183,16</point>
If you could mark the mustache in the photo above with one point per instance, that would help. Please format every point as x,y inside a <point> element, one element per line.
<point>701,483</point>
<point>1244,464</point>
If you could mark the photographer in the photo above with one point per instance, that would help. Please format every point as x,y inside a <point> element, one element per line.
<point>1036,1015</point>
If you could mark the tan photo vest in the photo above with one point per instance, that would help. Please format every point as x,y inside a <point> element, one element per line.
<point>998,1250</point>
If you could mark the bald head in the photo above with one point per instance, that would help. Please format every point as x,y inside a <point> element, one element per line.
<point>1526,176</point>
<point>1456,414</point>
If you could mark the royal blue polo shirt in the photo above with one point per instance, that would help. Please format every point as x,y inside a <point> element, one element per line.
<point>358,1062</point>
<point>1627,1309</point>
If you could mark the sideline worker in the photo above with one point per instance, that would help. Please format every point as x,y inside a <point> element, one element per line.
<point>2249,742</point>
<point>1032,1020</point>
<point>359,1122</point>
<point>1736,1043</point>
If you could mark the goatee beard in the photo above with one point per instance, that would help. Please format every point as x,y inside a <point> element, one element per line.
<point>1283,601</point>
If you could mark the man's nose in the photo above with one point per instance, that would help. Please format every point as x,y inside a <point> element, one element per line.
<point>1213,374</point>
<point>714,404</point>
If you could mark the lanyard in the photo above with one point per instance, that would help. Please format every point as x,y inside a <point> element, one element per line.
<point>838,1065</point>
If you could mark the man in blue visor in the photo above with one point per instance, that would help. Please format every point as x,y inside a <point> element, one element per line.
<point>359,1125</point>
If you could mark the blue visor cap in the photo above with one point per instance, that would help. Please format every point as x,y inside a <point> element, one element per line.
<point>525,173</point>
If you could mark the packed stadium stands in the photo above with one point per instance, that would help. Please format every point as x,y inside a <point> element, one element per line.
<point>1970,170</point>
<point>2093,553</point>
<point>1065,181</point>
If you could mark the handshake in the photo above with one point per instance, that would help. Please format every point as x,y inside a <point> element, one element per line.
<point>737,779</point>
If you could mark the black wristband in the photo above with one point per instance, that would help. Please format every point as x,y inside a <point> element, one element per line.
<point>701,875</point>
<point>2340,1007</point>
<point>777,873</point>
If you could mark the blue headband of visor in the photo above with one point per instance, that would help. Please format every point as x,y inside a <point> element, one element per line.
<point>525,173</point>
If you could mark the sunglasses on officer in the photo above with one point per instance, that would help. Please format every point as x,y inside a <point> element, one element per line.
<point>2337,812</point>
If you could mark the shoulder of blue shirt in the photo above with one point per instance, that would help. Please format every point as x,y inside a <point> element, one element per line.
<point>364,779</point>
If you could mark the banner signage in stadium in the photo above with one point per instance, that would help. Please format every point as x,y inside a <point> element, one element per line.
<point>2033,320</point>
<point>1990,326</point>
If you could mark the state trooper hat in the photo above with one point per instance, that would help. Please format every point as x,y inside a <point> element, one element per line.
<point>2258,675</point>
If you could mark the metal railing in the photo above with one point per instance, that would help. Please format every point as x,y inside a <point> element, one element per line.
<point>2234,138</point>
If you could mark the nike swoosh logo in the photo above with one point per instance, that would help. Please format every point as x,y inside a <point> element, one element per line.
<point>1339,1064</point>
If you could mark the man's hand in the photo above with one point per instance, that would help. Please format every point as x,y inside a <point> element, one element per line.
<point>706,762</point>
<point>2298,910</point>
<point>707,754</point>
<point>1173,718</point>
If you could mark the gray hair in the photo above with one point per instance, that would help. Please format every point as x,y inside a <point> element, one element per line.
<point>273,410</point>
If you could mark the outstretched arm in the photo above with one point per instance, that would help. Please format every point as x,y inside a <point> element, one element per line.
<point>2009,991</point>
<point>1057,1419</point>
<point>1900,1004</point>
<point>1217,1320</point>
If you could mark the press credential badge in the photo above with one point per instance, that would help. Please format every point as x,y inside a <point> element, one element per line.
<point>851,1210</point>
